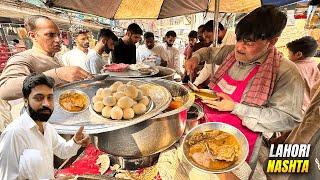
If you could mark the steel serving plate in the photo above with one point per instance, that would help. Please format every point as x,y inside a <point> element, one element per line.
<point>78,92</point>
<point>69,123</point>
<point>164,73</point>
<point>131,74</point>
<point>244,145</point>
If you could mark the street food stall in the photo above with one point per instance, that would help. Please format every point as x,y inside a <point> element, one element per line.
<point>135,142</point>
<point>137,146</point>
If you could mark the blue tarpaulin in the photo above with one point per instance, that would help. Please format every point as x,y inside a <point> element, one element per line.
<point>279,2</point>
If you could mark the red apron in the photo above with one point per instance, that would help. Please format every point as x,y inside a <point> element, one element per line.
<point>235,90</point>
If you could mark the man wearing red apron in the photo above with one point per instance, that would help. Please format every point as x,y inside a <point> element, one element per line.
<point>259,91</point>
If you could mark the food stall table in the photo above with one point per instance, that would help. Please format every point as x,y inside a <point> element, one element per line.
<point>171,165</point>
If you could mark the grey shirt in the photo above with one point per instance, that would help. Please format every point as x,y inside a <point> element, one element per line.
<point>94,62</point>
<point>282,111</point>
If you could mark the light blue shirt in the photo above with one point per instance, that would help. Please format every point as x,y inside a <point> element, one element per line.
<point>95,63</point>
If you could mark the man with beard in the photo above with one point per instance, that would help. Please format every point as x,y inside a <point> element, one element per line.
<point>193,38</point>
<point>106,40</point>
<point>259,90</point>
<point>225,36</point>
<point>149,50</point>
<point>125,48</point>
<point>27,145</point>
<point>78,55</point>
<point>172,52</point>
<point>202,42</point>
<point>42,58</point>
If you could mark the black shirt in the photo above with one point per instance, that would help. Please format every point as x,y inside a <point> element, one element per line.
<point>124,53</point>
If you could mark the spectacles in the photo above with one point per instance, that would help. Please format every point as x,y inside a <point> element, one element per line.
<point>50,34</point>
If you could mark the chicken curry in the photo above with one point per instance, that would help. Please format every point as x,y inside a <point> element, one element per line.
<point>73,101</point>
<point>214,149</point>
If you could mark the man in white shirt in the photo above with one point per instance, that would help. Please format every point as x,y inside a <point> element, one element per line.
<point>30,138</point>
<point>78,55</point>
<point>42,58</point>
<point>106,40</point>
<point>172,52</point>
<point>150,50</point>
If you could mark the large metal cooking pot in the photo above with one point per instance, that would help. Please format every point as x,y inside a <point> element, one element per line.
<point>153,135</point>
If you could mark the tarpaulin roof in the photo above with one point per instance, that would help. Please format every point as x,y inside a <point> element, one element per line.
<point>158,9</point>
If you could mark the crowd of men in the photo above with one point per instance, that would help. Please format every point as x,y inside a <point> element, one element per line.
<point>122,50</point>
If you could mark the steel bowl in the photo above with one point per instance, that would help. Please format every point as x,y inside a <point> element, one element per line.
<point>194,114</point>
<point>153,135</point>
<point>78,92</point>
<point>244,145</point>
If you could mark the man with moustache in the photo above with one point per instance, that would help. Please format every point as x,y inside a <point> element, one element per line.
<point>45,35</point>
<point>151,50</point>
<point>259,90</point>
<point>172,52</point>
<point>106,40</point>
<point>202,42</point>
<point>27,145</point>
<point>193,38</point>
<point>78,55</point>
<point>225,36</point>
<point>125,49</point>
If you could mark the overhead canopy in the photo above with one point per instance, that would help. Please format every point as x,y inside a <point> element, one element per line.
<point>235,6</point>
<point>24,10</point>
<point>158,9</point>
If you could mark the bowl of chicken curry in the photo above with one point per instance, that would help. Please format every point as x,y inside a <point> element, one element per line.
<point>215,147</point>
<point>74,101</point>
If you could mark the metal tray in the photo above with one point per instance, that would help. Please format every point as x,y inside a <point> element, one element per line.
<point>69,123</point>
<point>131,74</point>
